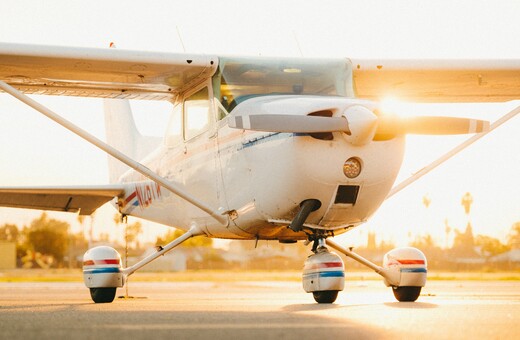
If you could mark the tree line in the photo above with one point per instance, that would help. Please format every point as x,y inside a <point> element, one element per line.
<point>50,243</point>
<point>47,242</point>
<point>468,251</point>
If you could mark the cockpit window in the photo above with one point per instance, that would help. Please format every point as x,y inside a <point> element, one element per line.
<point>239,79</point>
<point>197,115</point>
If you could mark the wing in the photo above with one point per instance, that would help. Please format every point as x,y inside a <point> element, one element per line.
<point>438,80</point>
<point>84,199</point>
<point>107,73</point>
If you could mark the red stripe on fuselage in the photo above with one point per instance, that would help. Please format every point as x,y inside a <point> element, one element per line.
<point>129,198</point>
<point>411,261</point>
<point>109,261</point>
<point>323,265</point>
<point>95,262</point>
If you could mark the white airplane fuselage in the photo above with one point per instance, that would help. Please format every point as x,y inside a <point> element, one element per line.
<point>260,178</point>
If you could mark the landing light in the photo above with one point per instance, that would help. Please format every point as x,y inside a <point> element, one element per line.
<point>292,70</point>
<point>352,167</point>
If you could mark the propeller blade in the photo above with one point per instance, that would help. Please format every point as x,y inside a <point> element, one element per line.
<point>289,123</point>
<point>362,124</point>
<point>393,125</point>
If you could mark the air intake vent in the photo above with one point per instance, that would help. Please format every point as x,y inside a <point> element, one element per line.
<point>347,194</point>
<point>322,135</point>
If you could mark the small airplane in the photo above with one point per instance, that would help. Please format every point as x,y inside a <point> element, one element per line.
<point>285,149</point>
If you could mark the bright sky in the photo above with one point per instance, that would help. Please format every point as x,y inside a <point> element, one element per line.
<point>35,151</point>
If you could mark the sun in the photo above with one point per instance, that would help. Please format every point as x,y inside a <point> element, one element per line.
<point>394,106</point>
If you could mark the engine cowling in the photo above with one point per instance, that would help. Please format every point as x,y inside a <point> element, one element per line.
<point>409,265</point>
<point>323,271</point>
<point>102,268</point>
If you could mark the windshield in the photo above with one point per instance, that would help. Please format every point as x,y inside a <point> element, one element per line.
<point>239,79</point>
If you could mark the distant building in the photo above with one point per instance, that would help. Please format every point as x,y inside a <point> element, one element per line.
<point>7,255</point>
<point>511,257</point>
<point>174,261</point>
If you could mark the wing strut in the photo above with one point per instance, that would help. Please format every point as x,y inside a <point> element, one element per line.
<point>114,152</point>
<point>451,153</point>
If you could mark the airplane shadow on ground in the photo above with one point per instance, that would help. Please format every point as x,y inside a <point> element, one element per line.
<point>311,307</point>
<point>411,305</point>
<point>67,306</point>
<point>163,324</point>
<point>330,306</point>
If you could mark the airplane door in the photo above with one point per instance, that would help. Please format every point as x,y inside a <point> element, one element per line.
<point>236,187</point>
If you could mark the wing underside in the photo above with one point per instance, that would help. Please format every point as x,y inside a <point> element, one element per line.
<point>84,200</point>
<point>106,73</point>
<point>437,80</point>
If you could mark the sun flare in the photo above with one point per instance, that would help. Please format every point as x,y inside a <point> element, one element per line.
<point>395,106</point>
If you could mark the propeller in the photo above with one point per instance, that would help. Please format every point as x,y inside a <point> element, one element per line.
<point>289,123</point>
<point>359,123</point>
<point>429,125</point>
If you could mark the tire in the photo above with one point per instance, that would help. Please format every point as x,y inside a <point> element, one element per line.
<point>103,295</point>
<point>325,296</point>
<point>407,293</point>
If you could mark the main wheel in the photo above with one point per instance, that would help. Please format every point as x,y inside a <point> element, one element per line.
<point>103,295</point>
<point>325,296</point>
<point>407,293</point>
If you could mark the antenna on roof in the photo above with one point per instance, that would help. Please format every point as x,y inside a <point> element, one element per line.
<point>180,38</point>
<point>297,43</point>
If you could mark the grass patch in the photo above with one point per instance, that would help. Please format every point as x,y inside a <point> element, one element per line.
<point>42,275</point>
<point>218,276</point>
<point>473,276</point>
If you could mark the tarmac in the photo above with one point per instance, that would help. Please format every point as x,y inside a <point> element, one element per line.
<point>260,310</point>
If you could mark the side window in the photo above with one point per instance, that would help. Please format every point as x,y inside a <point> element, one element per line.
<point>174,131</point>
<point>196,114</point>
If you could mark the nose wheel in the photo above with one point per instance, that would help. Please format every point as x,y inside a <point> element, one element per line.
<point>406,293</point>
<point>326,296</point>
<point>323,273</point>
<point>103,295</point>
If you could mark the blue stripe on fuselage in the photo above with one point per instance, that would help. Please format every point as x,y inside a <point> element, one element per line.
<point>413,270</point>
<point>266,138</point>
<point>101,270</point>
<point>326,274</point>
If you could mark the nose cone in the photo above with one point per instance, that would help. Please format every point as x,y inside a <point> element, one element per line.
<point>362,124</point>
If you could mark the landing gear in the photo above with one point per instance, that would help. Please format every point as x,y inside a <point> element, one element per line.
<point>411,264</point>
<point>407,293</point>
<point>323,274</point>
<point>103,295</point>
<point>404,270</point>
<point>103,273</point>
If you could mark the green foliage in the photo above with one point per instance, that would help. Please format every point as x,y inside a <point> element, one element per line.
<point>464,243</point>
<point>132,233</point>
<point>424,242</point>
<point>490,246</point>
<point>197,241</point>
<point>48,237</point>
<point>385,246</point>
<point>9,232</point>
